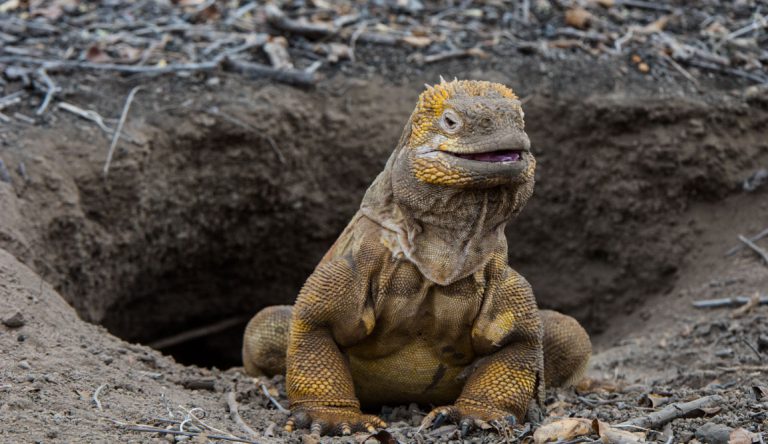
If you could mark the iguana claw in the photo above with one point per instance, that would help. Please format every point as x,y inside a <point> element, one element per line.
<point>468,418</point>
<point>333,421</point>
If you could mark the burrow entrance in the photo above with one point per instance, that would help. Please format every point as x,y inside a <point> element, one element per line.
<point>227,208</point>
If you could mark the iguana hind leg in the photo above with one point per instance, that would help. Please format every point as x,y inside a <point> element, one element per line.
<point>567,348</point>
<point>266,340</point>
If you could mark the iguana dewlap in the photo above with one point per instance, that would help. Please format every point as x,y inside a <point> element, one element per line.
<point>415,301</point>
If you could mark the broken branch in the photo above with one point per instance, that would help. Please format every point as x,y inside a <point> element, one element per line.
<point>294,77</point>
<point>741,246</point>
<point>762,253</point>
<point>727,302</point>
<point>674,411</point>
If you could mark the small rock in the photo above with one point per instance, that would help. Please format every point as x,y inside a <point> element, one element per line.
<point>712,433</point>
<point>24,365</point>
<point>724,352</point>
<point>21,337</point>
<point>15,321</point>
<point>578,18</point>
<point>742,436</point>
<point>762,343</point>
<point>685,436</point>
<point>309,439</point>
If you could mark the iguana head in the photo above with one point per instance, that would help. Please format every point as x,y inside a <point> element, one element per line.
<point>468,134</point>
<point>461,171</point>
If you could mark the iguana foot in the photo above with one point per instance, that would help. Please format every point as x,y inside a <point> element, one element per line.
<point>333,421</point>
<point>468,417</point>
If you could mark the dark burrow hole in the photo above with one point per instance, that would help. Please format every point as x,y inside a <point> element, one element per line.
<point>213,225</point>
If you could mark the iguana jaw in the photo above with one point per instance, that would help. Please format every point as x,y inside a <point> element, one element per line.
<point>483,170</point>
<point>469,167</point>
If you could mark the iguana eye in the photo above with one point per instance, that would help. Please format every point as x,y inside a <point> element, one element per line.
<point>450,122</point>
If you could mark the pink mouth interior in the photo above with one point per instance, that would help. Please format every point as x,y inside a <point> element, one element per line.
<point>493,156</point>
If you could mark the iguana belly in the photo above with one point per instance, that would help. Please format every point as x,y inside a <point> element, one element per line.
<point>412,373</point>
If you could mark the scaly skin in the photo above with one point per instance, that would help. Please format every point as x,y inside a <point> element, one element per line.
<point>415,301</point>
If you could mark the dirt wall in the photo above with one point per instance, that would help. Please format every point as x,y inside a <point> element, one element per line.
<point>223,200</point>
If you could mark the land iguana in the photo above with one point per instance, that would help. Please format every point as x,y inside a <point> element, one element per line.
<point>415,301</point>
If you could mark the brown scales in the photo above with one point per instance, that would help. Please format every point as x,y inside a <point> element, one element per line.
<point>415,301</point>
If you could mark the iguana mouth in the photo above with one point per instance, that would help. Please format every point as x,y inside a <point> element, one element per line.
<point>493,156</point>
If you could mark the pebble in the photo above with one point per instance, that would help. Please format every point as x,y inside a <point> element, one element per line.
<point>724,352</point>
<point>685,436</point>
<point>24,365</point>
<point>762,343</point>
<point>712,433</point>
<point>309,439</point>
<point>15,321</point>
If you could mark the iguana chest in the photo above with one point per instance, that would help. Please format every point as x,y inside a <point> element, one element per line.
<point>421,342</point>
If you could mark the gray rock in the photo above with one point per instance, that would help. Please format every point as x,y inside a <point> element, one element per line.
<point>15,321</point>
<point>712,433</point>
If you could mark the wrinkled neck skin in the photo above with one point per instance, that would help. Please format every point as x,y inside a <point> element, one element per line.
<point>448,233</point>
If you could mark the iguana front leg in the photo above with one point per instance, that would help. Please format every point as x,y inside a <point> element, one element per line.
<point>331,311</point>
<point>508,335</point>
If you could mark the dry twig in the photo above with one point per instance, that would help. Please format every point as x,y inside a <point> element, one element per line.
<point>683,71</point>
<point>195,333</point>
<point>645,5</point>
<point>273,400</point>
<point>760,22</point>
<point>235,414</point>
<point>24,118</point>
<point>11,99</point>
<point>453,54</point>
<point>754,301</point>
<point>63,65</point>
<point>87,114</point>
<point>745,368</point>
<point>741,246</point>
<point>119,129</point>
<point>151,429</point>
<point>96,396</point>
<point>51,89</point>
<point>762,253</point>
<point>727,302</point>
<point>191,417</point>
